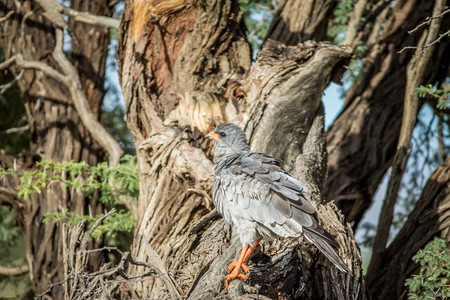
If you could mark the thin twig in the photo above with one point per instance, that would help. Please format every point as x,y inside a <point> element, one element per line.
<point>50,287</point>
<point>14,271</point>
<point>17,130</point>
<point>5,87</point>
<point>425,47</point>
<point>7,16</point>
<point>428,20</point>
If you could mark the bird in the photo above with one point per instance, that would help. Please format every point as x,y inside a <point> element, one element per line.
<point>253,192</point>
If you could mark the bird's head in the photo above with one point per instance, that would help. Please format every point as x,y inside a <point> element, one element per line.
<point>229,139</point>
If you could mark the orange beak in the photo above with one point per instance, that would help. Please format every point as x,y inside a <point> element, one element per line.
<point>213,136</point>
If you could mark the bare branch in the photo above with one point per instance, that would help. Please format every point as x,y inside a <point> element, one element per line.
<point>20,62</point>
<point>72,80</point>
<point>428,20</point>
<point>14,271</point>
<point>5,87</point>
<point>353,24</point>
<point>429,43</point>
<point>415,72</point>
<point>17,130</point>
<point>91,19</point>
<point>81,104</point>
<point>7,16</point>
<point>425,47</point>
<point>205,219</point>
<point>53,11</point>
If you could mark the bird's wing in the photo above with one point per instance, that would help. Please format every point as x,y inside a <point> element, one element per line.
<point>268,195</point>
<point>256,185</point>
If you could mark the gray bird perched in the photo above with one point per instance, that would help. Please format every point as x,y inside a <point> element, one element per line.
<point>252,191</point>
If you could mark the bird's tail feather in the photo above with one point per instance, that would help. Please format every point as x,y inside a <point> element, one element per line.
<point>326,249</point>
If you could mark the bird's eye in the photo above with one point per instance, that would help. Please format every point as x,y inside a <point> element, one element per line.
<point>222,134</point>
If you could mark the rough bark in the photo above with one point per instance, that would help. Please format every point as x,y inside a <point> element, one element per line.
<point>430,218</point>
<point>362,140</point>
<point>298,21</point>
<point>57,132</point>
<point>185,65</point>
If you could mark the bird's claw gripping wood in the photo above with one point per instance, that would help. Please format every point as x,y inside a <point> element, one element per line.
<point>236,266</point>
<point>233,265</point>
<point>235,274</point>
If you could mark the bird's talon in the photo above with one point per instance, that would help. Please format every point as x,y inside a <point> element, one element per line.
<point>243,277</point>
<point>233,265</point>
<point>244,268</point>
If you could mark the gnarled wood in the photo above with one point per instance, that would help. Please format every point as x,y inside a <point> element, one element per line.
<point>204,69</point>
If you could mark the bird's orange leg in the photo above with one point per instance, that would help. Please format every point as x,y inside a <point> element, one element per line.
<point>250,250</point>
<point>235,266</point>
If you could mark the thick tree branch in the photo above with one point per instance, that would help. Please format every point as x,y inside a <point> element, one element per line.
<point>91,19</point>
<point>415,73</point>
<point>72,80</point>
<point>354,23</point>
<point>53,11</point>
<point>35,65</point>
<point>291,25</point>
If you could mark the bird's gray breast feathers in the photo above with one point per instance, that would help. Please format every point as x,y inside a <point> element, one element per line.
<point>252,187</point>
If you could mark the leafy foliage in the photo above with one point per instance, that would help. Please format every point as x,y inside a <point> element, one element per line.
<point>433,280</point>
<point>442,95</point>
<point>115,187</point>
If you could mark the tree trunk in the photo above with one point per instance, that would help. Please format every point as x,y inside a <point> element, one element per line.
<point>57,132</point>
<point>298,21</point>
<point>430,218</point>
<point>363,139</point>
<point>185,67</point>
